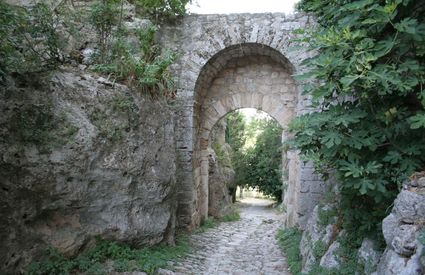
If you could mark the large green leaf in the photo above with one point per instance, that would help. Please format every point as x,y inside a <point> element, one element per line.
<point>417,121</point>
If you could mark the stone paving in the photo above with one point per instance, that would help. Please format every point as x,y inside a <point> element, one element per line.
<point>247,246</point>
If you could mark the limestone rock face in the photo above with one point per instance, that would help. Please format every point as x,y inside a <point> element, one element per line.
<point>82,157</point>
<point>220,174</point>
<point>315,232</point>
<point>405,253</point>
<point>330,259</point>
<point>369,256</point>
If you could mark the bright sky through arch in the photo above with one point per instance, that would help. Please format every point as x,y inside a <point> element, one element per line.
<point>242,6</point>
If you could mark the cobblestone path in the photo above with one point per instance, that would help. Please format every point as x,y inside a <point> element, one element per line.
<point>247,246</point>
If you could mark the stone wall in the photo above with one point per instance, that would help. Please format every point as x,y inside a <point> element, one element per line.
<point>220,173</point>
<point>404,232</point>
<point>82,157</point>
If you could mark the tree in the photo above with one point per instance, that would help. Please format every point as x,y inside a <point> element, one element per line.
<point>259,166</point>
<point>235,130</point>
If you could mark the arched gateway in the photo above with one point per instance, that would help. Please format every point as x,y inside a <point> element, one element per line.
<point>229,62</point>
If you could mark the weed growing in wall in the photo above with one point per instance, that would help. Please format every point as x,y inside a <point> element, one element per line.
<point>289,240</point>
<point>327,216</point>
<point>119,116</point>
<point>145,67</point>
<point>37,124</point>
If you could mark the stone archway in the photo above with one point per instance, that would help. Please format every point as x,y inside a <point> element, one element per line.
<point>207,44</point>
<point>248,75</point>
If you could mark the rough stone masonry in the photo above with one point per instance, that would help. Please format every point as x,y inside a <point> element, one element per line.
<point>230,62</point>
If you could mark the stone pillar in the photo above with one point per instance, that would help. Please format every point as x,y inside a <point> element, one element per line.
<point>285,164</point>
<point>186,174</point>
<point>290,196</point>
<point>203,195</point>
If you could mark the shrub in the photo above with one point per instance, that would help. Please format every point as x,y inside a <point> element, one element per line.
<point>163,9</point>
<point>30,39</point>
<point>367,87</point>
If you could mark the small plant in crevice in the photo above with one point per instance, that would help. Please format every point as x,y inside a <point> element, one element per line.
<point>327,216</point>
<point>319,249</point>
<point>289,240</point>
<point>119,116</point>
<point>231,217</point>
<point>37,124</point>
<point>206,224</point>
<point>105,16</point>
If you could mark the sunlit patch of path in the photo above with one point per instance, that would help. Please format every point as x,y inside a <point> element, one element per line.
<point>247,246</point>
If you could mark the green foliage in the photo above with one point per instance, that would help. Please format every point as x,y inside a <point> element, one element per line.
<point>30,40</point>
<point>143,68</point>
<point>163,9</point>
<point>235,131</point>
<point>222,156</point>
<point>367,84</point>
<point>33,39</point>
<point>104,16</point>
<point>259,166</point>
<point>120,116</point>
<point>327,216</point>
<point>56,264</point>
<point>319,249</point>
<point>235,136</point>
<point>211,222</point>
<point>289,240</point>
<point>124,259</point>
<point>37,124</point>
<point>347,254</point>
<point>233,216</point>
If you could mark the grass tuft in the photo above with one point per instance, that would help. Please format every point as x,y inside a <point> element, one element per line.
<point>289,240</point>
<point>123,258</point>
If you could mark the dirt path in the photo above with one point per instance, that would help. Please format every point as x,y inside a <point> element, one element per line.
<point>247,246</point>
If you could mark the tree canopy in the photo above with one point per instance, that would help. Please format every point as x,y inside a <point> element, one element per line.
<point>257,165</point>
